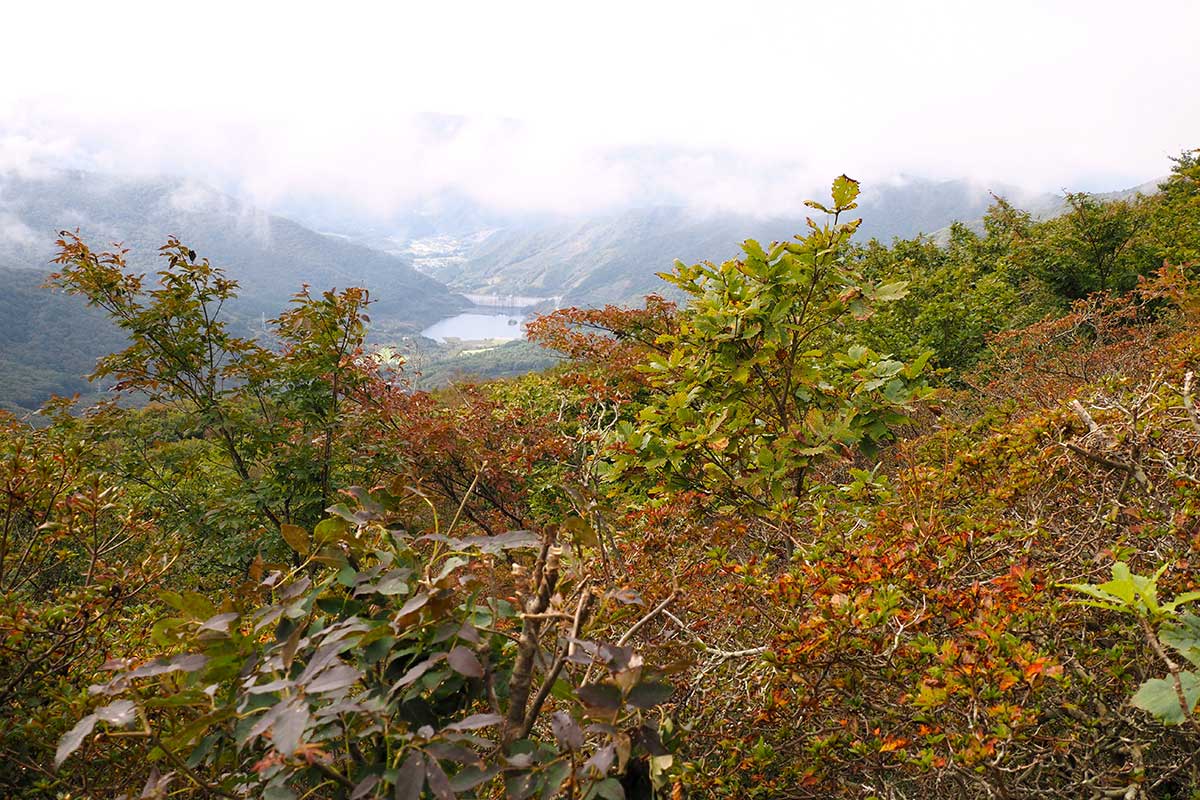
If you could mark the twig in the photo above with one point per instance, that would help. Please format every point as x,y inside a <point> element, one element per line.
<point>1187,400</point>
<point>545,579</point>
<point>580,611</point>
<point>749,651</point>
<point>535,708</point>
<point>1131,469</point>
<point>186,770</point>
<point>332,773</point>
<point>649,616</point>
<point>1099,459</point>
<point>466,496</point>
<point>1173,668</point>
<point>1083,414</point>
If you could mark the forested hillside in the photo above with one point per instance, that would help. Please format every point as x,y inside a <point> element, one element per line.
<point>269,256</point>
<point>48,344</point>
<point>849,519</point>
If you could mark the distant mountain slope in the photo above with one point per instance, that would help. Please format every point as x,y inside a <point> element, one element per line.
<point>614,259</point>
<point>48,341</point>
<point>1051,205</point>
<point>269,256</point>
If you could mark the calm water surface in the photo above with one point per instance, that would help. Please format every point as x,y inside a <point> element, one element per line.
<point>478,325</point>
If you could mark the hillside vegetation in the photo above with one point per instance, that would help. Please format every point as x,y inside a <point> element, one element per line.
<point>848,520</point>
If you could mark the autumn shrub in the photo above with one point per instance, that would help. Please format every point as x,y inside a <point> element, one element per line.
<point>1105,334</point>
<point>274,410</point>
<point>394,645</point>
<point>924,647</point>
<point>77,559</point>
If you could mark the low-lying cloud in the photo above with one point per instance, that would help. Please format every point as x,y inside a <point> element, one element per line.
<point>14,231</point>
<point>580,110</point>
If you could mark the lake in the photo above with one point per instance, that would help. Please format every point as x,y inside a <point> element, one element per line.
<point>480,324</point>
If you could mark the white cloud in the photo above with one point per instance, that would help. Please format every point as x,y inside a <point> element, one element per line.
<point>193,196</point>
<point>13,229</point>
<point>577,107</point>
<point>29,156</point>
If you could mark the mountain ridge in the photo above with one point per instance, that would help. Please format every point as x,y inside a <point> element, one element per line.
<point>614,258</point>
<point>51,341</point>
<point>269,255</point>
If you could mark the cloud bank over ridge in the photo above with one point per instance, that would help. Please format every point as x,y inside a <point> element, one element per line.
<point>583,109</point>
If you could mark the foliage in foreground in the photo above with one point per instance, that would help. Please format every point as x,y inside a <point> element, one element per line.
<point>382,665</point>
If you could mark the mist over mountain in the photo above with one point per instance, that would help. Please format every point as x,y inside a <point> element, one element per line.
<point>50,341</point>
<point>270,256</point>
<point>1047,206</point>
<point>613,258</point>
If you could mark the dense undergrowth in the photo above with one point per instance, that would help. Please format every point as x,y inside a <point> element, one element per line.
<point>808,535</point>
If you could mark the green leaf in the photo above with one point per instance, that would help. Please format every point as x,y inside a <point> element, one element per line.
<point>439,783</point>
<point>411,778</point>
<point>160,632</point>
<point>1181,599</point>
<point>603,696</point>
<point>566,731</point>
<point>753,249</point>
<point>889,292</point>
<point>393,583</point>
<point>1121,585</point>
<point>118,712</point>
<point>475,722</point>
<point>608,789</point>
<point>464,662</point>
<point>329,530</point>
<point>1159,698</point>
<point>555,775</point>
<point>1183,635</point>
<point>1102,599</point>
<point>917,365</point>
<point>343,511</point>
<point>278,792</point>
<point>845,192</point>
<point>449,565</point>
<point>334,679</point>
<point>197,605</point>
<point>219,622</point>
<point>289,727</point>
<point>471,776</point>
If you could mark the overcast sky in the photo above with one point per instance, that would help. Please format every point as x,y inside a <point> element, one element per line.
<point>580,107</point>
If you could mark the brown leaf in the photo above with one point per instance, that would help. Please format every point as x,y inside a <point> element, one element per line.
<point>296,537</point>
<point>411,777</point>
<point>464,662</point>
